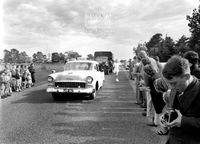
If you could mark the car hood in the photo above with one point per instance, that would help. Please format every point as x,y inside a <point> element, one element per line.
<point>71,75</point>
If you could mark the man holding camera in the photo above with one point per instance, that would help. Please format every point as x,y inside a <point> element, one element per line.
<point>185,127</point>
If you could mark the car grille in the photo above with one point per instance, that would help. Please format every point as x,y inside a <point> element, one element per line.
<point>70,84</point>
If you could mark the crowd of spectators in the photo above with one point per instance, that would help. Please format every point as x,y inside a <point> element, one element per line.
<point>15,78</point>
<point>159,85</point>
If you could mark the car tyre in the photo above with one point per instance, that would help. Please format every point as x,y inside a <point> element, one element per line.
<point>92,95</point>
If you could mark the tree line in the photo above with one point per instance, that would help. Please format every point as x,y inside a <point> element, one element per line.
<point>14,56</point>
<point>166,47</point>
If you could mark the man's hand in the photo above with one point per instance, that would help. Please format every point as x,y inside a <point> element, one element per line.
<point>177,121</point>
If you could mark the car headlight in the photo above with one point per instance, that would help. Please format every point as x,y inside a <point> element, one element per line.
<point>89,80</point>
<point>50,79</point>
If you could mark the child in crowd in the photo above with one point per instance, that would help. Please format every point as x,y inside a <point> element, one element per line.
<point>2,84</point>
<point>26,74</point>
<point>7,76</point>
<point>29,80</point>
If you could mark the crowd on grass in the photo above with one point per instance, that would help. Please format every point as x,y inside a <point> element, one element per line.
<point>169,92</point>
<point>15,78</point>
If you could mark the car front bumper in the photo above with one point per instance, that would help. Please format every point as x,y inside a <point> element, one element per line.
<point>88,90</point>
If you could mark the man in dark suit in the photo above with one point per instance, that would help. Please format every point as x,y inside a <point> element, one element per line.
<point>185,129</point>
<point>32,71</point>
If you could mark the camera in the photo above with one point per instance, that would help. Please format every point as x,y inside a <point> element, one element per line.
<point>173,115</point>
<point>170,115</point>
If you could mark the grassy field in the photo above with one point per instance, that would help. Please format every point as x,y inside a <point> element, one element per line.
<point>43,70</point>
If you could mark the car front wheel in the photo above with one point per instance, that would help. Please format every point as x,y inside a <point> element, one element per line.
<point>93,95</point>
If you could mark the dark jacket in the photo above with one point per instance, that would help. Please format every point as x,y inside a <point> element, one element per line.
<point>31,69</point>
<point>189,106</point>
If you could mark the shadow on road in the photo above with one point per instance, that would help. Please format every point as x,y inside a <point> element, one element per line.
<point>41,96</point>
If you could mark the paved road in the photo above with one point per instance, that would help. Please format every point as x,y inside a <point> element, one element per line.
<point>113,117</point>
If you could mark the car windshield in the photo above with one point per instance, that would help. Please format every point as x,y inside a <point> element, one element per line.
<point>78,66</point>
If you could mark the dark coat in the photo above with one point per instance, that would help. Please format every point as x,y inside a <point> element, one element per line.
<point>156,97</point>
<point>32,71</point>
<point>189,106</point>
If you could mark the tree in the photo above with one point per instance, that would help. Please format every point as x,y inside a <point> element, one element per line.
<point>90,57</point>
<point>7,56</point>
<point>181,45</point>
<point>62,57</point>
<point>39,57</point>
<point>23,58</point>
<point>194,27</point>
<point>55,57</point>
<point>154,42</point>
<point>154,51</point>
<point>167,49</point>
<point>71,55</point>
<point>14,55</point>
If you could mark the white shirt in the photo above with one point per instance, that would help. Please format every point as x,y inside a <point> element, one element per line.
<point>116,67</point>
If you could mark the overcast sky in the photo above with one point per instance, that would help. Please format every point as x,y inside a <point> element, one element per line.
<point>86,26</point>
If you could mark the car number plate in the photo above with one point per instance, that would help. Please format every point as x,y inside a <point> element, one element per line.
<point>68,90</point>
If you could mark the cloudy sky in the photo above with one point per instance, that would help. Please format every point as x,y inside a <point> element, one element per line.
<point>86,26</point>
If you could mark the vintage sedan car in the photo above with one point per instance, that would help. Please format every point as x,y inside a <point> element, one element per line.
<point>78,77</point>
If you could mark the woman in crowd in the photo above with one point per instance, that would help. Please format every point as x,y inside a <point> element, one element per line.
<point>26,74</point>
<point>146,89</point>
<point>153,73</point>
<point>138,77</point>
<point>2,84</point>
<point>8,75</point>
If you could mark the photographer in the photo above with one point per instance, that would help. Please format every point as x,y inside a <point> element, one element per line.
<point>185,128</point>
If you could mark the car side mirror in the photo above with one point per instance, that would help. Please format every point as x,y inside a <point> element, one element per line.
<point>53,71</point>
